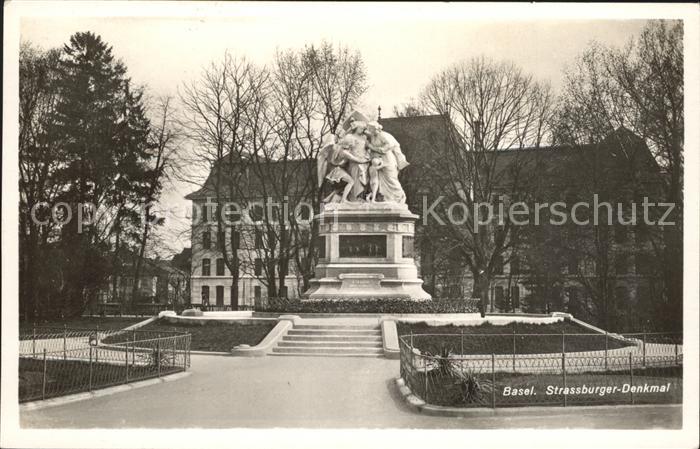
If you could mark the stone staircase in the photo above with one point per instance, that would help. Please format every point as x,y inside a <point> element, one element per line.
<point>331,340</point>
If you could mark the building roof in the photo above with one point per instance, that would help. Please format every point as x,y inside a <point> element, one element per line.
<point>426,139</point>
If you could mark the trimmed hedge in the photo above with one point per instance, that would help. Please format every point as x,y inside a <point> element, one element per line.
<point>376,305</point>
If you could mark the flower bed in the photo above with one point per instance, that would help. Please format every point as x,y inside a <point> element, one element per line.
<point>378,305</point>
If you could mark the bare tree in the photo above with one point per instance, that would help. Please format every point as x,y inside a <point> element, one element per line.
<point>492,110</point>
<point>638,88</point>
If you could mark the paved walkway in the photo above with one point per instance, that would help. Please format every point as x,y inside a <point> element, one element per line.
<point>230,392</point>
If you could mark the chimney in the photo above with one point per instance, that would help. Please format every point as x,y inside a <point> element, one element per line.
<point>379,113</point>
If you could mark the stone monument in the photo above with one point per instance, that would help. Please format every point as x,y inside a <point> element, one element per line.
<point>365,227</point>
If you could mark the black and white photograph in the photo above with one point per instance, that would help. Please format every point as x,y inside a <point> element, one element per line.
<point>262,224</point>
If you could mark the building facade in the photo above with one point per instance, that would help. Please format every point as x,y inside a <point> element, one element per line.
<point>537,275</point>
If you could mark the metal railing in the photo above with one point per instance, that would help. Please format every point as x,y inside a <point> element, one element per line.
<point>119,309</point>
<point>59,361</point>
<point>506,370</point>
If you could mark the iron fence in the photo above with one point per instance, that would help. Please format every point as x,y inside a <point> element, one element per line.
<point>119,309</point>
<point>59,361</point>
<point>506,370</point>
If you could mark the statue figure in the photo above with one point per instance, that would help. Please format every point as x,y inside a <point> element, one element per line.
<point>364,157</point>
<point>332,160</point>
<point>355,143</point>
<point>387,161</point>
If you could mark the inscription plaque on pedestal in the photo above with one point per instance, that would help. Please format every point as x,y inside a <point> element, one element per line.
<point>362,246</point>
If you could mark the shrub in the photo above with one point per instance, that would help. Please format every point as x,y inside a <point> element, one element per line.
<point>374,305</point>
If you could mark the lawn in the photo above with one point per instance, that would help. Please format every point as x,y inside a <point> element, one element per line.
<point>75,376</point>
<point>85,322</point>
<point>498,339</point>
<point>217,336</point>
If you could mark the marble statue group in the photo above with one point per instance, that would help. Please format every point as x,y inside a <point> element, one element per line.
<point>367,159</point>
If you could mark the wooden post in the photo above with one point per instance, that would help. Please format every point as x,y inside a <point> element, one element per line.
<point>90,376</point>
<point>493,380</point>
<point>133,347</point>
<point>461,342</point>
<point>64,341</point>
<point>644,349</point>
<point>43,378</point>
<point>34,341</point>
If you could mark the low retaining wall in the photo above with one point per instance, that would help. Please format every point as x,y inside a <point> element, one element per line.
<point>265,346</point>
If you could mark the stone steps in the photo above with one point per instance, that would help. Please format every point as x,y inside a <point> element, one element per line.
<point>330,344</point>
<point>344,332</point>
<point>339,338</point>
<point>328,340</point>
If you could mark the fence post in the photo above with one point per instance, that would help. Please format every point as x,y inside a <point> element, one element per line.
<point>675,351</point>
<point>606,350</point>
<point>425,373</point>
<point>461,342</point>
<point>43,378</point>
<point>64,341</point>
<point>174,343</point>
<point>33,341</point>
<point>90,376</point>
<point>493,380</point>
<point>158,353</point>
<point>126,361</point>
<point>631,379</point>
<point>563,342</point>
<point>563,371</point>
<point>513,350</point>
<point>644,349</point>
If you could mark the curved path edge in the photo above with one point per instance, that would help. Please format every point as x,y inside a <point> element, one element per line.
<point>61,400</point>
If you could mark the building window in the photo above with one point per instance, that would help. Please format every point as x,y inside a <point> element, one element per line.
<point>206,240</point>
<point>205,294</point>
<point>498,296</point>
<point>221,240</point>
<point>515,297</point>
<point>256,212</point>
<point>219,295</point>
<point>233,215</point>
<point>515,266</point>
<point>258,239</point>
<point>206,267</point>
<point>220,267</point>
<point>498,265</point>
<point>235,239</point>
<point>258,292</point>
<point>258,266</point>
<point>284,292</point>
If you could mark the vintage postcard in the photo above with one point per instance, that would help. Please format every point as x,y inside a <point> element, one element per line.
<point>350,224</point>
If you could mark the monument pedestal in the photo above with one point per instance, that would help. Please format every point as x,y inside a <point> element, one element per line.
<point>366,251</point>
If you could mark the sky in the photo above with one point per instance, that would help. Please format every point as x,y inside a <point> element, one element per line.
<point>401,51</point>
